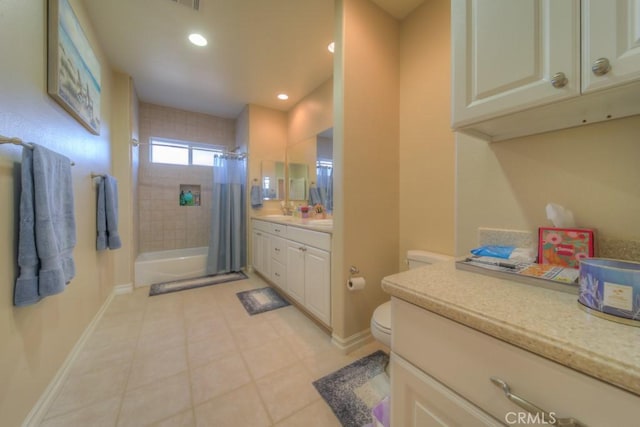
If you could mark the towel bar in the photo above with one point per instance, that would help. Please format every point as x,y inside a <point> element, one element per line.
<point>18,141</point>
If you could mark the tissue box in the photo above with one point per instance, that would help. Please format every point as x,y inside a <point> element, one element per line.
<point>565,246</point>
<point>611,286</point>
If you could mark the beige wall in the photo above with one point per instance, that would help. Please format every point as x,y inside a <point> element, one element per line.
<point>267,141</point>
<point>163,223</point>
<point>366,159</point>
<point>592,170</point>
<point>312,115</point>
<point>35,340</point>
<point>427,146</point>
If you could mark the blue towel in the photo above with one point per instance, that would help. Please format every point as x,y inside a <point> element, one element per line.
<point>107,214</point>
<point>256,196</point>
<point>314,196</point>
<point>47,230</point>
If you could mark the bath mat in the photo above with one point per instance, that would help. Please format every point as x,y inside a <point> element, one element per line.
<point>258,301</point>
<point>198,282</point>
<point>354,390</point>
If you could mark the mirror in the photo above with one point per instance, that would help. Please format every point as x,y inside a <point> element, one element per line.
<point>324,168</point>
<point>273,183</point>
<point>310,168</point>
<point>298,179</point>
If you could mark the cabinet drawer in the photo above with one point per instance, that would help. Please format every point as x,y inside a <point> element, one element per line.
<point>262,225</point>
<point>464,359</point>
<point>279,249</point>
<point>278,229</point>
<point>312,238</point>
<point>419,400</point>
<point>279,274</point>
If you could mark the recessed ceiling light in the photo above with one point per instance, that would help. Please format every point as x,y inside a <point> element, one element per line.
<point>197,39</point>
<point>332,47</point>
<point>283,96</point>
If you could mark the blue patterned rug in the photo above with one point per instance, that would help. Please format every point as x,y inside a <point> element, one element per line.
<point>198,282</point>
<point>354,390</point>
<point>258,301</point>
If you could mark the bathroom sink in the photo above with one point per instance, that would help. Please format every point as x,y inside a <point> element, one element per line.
<point>320,222</point>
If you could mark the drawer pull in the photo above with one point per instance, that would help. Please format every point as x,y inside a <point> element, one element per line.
<point>277,249</point>
<point>550,418</point>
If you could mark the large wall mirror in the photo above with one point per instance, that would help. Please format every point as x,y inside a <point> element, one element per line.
<point>310,170</point>
<point>273,181</point>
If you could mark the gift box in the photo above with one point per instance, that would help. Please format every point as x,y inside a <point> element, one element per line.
<point>565,246</point>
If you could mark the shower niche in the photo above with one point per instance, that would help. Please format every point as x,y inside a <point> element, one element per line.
<point>189,195</point>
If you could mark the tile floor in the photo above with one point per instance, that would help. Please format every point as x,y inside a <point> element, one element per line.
<point>196,358</point>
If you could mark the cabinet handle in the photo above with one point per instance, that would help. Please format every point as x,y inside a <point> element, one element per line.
<point>302,248</point>
<point>259,234</point>
<point>277,249</point>
<point>549,418</point>
<point>601,66</point>
<point>277,274</point>
<point>559,80</point>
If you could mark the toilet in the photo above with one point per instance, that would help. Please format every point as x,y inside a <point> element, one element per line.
<point>381,319</point>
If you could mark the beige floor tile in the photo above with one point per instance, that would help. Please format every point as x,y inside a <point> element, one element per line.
<point>211,347</point>
<point>93,387</point>
<point>241,407</point>
<point>286,391</point>
<point>269,357</point>
<point>318,414</point>
<point>150,367</point>
<point>156,401</point>
<point>101,414</point>
<point>326,362</point>
<point>254,335</point>
<point>161,339</point>
<point>309,341</point>
<point>162,325</point>
<point>218,377</point>
<point>197,330</point>
<point>183,419</point>
<point>93,358</point>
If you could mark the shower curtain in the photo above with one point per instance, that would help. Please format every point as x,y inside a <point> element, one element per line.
<point>227,240</point>
<point>324,173</point>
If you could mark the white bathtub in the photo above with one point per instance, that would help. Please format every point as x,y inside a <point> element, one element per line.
<point>165,266</point>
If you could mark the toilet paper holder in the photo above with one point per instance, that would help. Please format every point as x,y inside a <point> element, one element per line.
<point>353,270</point>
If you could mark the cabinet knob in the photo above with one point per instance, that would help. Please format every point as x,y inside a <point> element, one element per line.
<point>559,80</point>
<point>601,66</point>
<point>302,248</point>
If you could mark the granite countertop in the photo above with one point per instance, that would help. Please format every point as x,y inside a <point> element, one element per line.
<point>546,322</point>
<point>307,223</point>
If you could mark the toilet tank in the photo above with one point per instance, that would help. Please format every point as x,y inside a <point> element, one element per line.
<point>416,258</point>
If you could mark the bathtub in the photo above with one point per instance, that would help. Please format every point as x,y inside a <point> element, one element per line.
<point>165,266</point>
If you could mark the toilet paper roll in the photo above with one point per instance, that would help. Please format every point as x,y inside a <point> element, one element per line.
<point>356,284</point>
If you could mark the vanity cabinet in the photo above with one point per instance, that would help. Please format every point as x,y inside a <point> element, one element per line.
<point>298,263</point>
<point>441,375</point>
<point>526,67</point>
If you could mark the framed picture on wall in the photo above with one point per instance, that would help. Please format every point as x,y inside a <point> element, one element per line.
<point>73,71</point>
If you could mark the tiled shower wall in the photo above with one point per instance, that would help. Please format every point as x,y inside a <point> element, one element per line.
<point>163,223</point>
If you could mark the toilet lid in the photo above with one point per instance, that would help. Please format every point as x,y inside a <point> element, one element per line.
<point>382,316</point>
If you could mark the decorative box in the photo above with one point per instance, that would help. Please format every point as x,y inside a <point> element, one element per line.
<point>565,246</point>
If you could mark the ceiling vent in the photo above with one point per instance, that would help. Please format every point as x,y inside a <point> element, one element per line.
<point>193,4</point>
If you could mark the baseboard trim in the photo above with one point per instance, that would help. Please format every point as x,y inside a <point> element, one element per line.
<point>127,288</point>
<point>39,410</point>
<point>353,342</point>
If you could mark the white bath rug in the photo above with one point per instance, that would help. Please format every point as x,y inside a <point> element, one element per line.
<point>198,282</point>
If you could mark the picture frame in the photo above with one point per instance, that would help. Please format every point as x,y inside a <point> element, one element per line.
<point>73,71</point>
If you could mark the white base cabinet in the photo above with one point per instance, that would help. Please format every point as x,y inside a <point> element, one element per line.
<point>450,371</point>
<point>298,261</point>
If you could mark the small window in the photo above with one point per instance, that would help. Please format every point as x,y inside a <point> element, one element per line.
<point>182,153</point>
<point>169,152</point>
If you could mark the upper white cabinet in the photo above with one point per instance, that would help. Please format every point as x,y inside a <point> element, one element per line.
<point>506,54</point>
<point>525,67</point>
<point>611,45</point>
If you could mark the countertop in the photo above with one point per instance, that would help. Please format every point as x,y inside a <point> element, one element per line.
<point>307,223</point>
<point>546,322</point>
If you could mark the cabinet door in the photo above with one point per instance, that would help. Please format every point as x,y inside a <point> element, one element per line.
<point>611,30</point>
<point>421,401</point>
<point>317,284</point>
<point>295,271</point>
<point>506,52</point>
<point>261,253</point>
